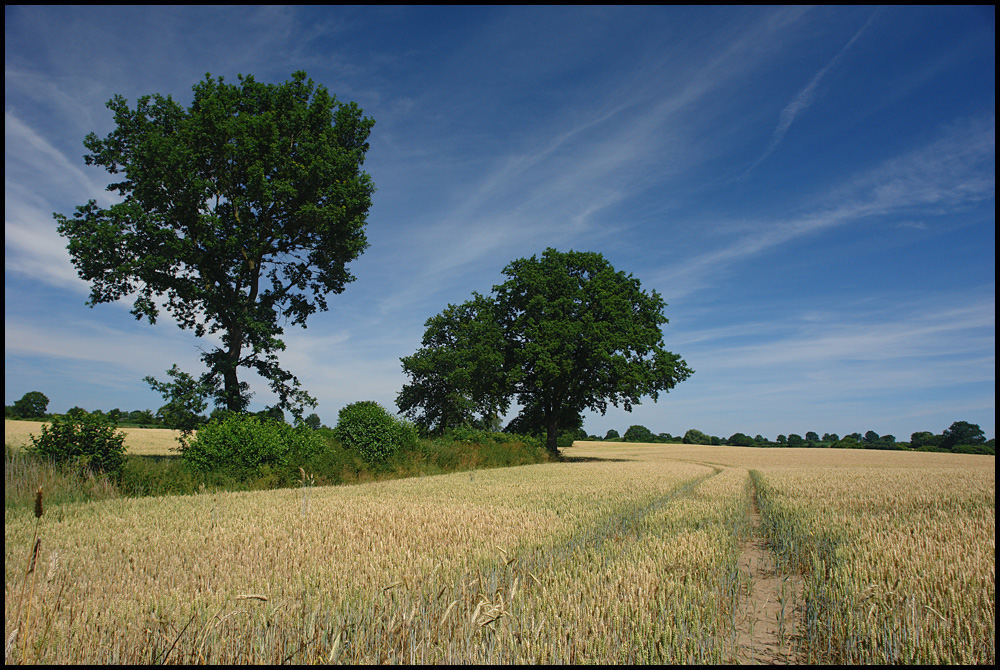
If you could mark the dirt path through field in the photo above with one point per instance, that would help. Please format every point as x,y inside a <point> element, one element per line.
<point>768,621</point>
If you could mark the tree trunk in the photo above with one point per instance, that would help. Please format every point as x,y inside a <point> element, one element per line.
<point>234,399</point>
<point>551,436</point>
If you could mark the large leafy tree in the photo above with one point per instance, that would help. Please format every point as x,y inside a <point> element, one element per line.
<point>740,440</point>
<point>637,433</point>
<point>32,405</point>
<point>695,436</point>
<point>962,432</point>
<point>579,334</point>
<point>568,332</point>
<point>238,215</point>
<point>456,375</point>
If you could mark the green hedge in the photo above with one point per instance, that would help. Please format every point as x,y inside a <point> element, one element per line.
<point>89,440</point>
<point>368,429</point>
<point>243,443</point>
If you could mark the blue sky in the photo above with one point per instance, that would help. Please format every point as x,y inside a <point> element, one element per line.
<point>811,190</point>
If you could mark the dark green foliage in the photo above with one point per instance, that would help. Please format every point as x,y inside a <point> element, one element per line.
<point>962,432</point>
<point>186,398</point>
<point>454,379</point>
<point>479,436</point>
<point>243,443</point>
<point>468,448</point>
<point>612,434</point>
<point>32,405</point>
<point>565,438</point>
<point>531,421</point>
<point>579,334</point>
<point>795,440</point>
<point>639,434</point>
<point>239,213</point>
<point>331,464</point>
<point>694,436</point>
<point>988,448</point>
<point>89,440</point>
<point>740,440</point>
<point>368,429</point>
<point>271,413</point>
<point>564,333</point>
<point>313,421</point>
<point>849,442</point>
<point>219,413</point>
<point>142,417</point>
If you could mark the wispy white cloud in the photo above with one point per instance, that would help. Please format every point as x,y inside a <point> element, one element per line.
<point>952,171</point>
<point>964,331</point>
<point>559,183</point>
<point>804,99</point>
<point>27,151</point>
<point>469,179</point>
<point>955,169</point>
<point>97,342</point>
<point>40,254</point>
<point>38,176</point>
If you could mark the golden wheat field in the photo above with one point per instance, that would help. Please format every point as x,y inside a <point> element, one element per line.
<point>620,554</point>
<point>141,441</point>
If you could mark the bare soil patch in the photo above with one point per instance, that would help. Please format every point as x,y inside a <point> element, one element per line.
<point>767,626</point>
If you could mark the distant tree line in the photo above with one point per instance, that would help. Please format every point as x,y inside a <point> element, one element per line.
<point>960,437</point>
<point>34,405</point>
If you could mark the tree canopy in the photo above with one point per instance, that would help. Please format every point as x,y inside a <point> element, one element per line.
<point>695,436</point>
<point>565,332</point>
<point>186,399</point>
<point>637,433</point>
<point>454,380</point>
<point>962,432</point>
<point>740,440</point>
<point>32,405</point>
<point>238,214</point>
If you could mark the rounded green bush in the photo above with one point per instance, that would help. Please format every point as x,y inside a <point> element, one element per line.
<point>88,439</point>
<point>240,442</point>
<point>367,428</point>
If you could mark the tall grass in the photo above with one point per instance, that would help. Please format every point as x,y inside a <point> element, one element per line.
<point>627,554</point>
<point>23,473</point>
<point>564,562</point>
<point>899,564</point>
<point>146,474</point>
